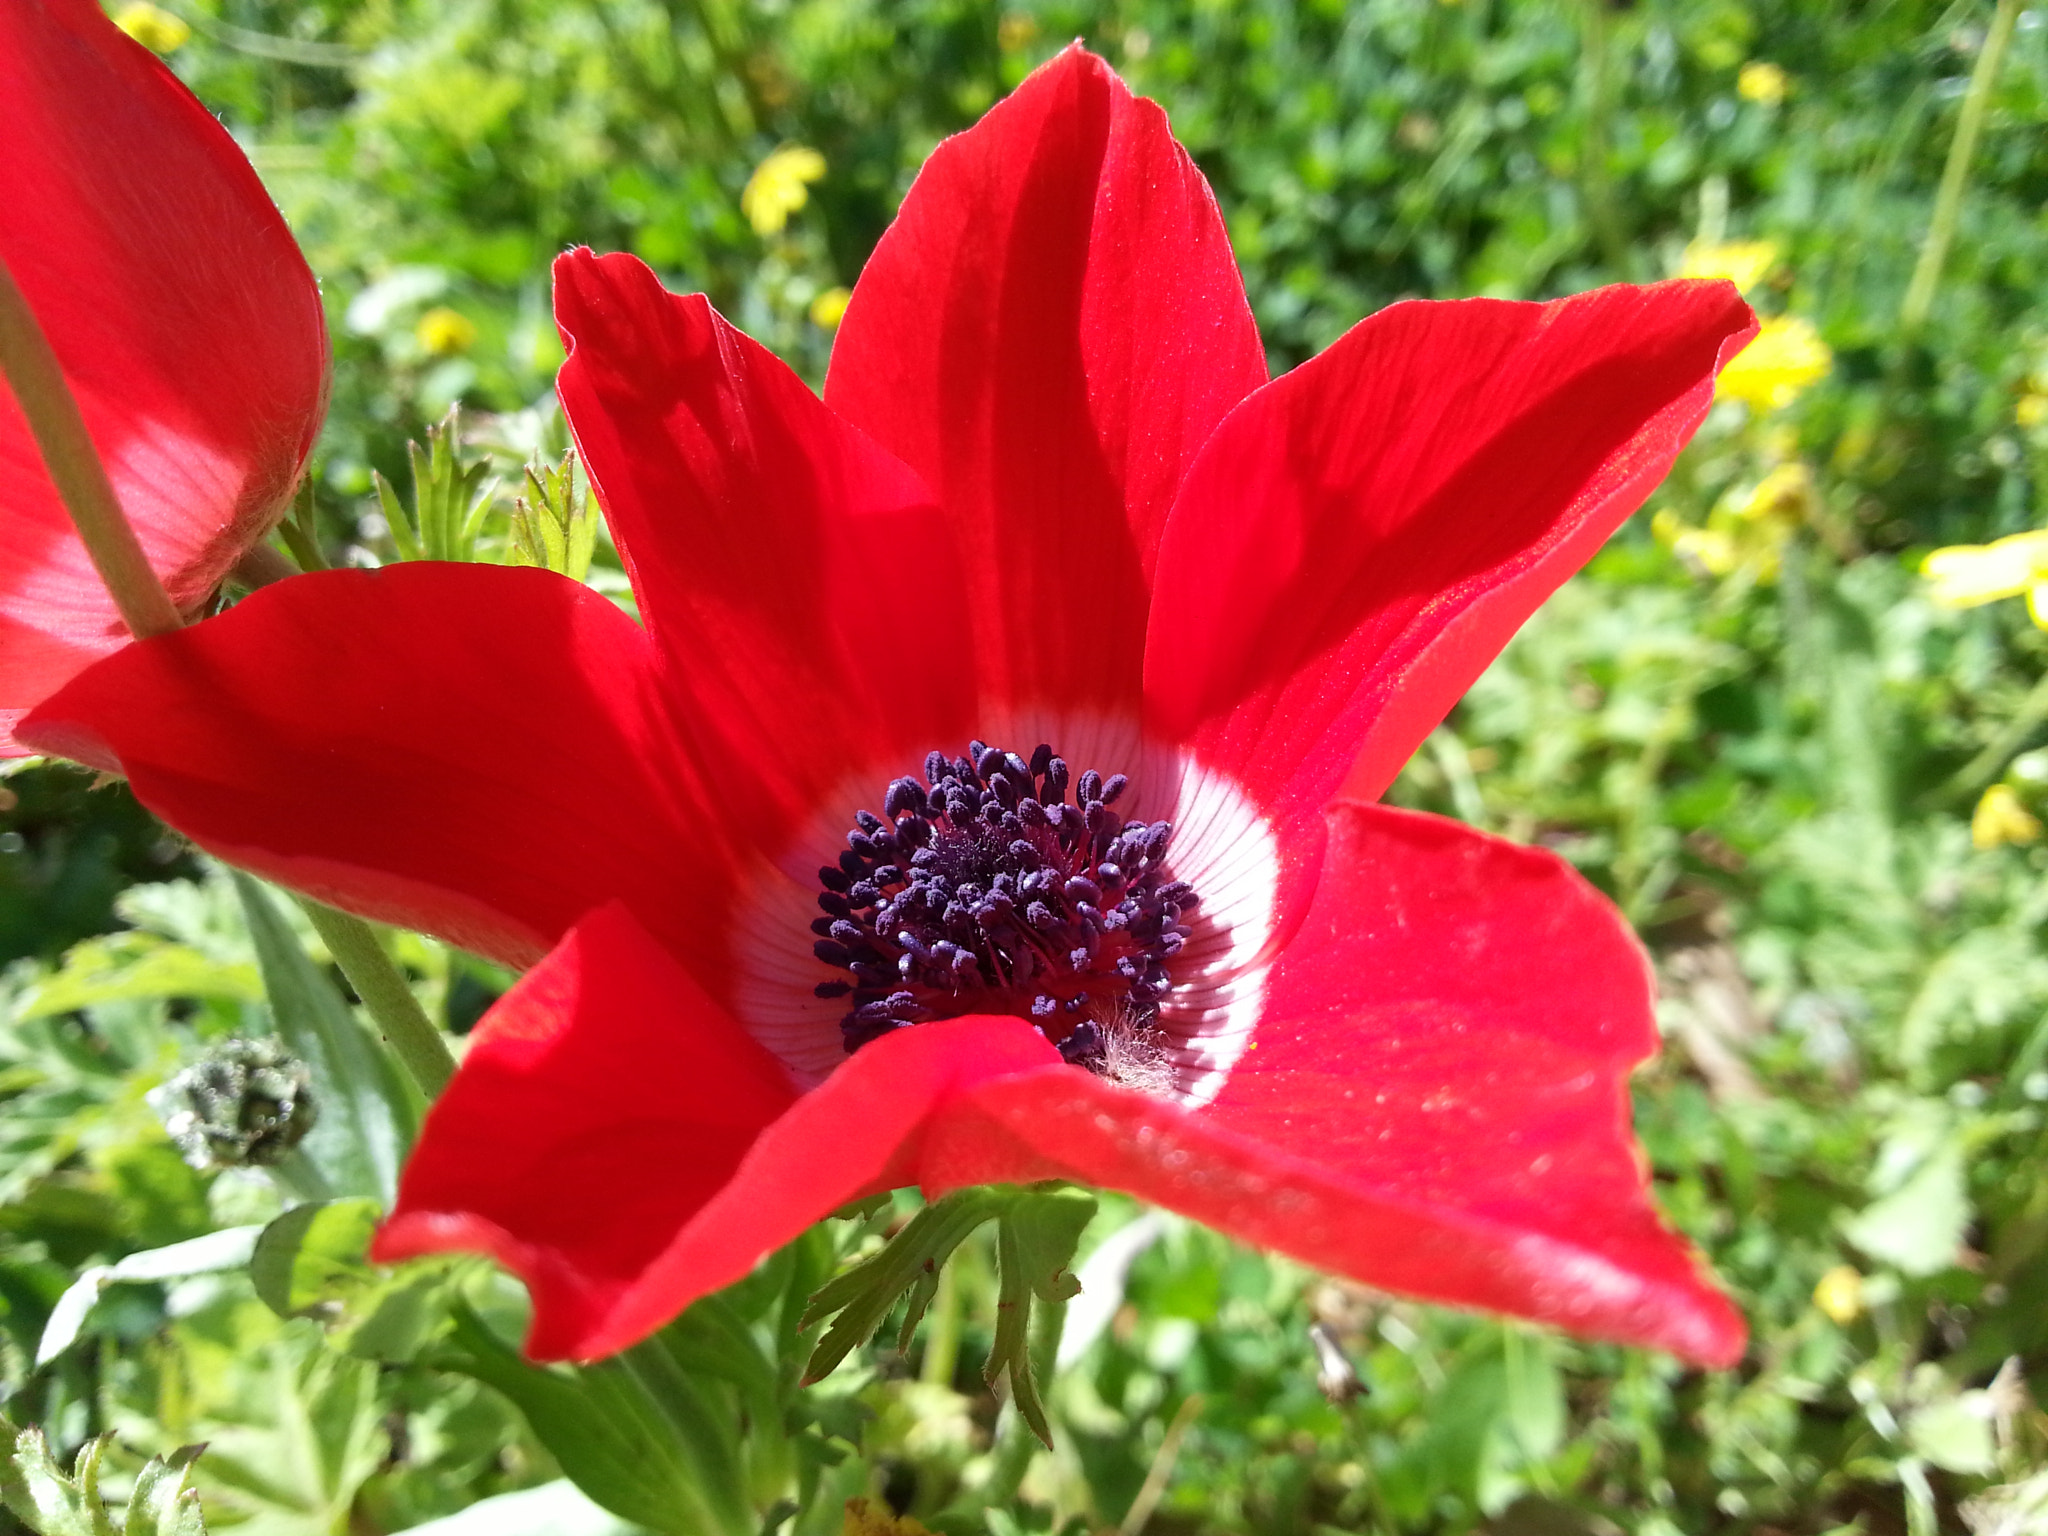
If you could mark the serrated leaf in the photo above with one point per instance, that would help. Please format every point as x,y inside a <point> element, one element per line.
<point>137,965</point>
<point>164,1503</point>
<point>859,1299</point>
<point>367,1116</point>
<point>1036,1237</point>
<point>36,1491</point>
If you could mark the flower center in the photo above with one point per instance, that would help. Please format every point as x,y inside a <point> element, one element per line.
<point>980,889</point>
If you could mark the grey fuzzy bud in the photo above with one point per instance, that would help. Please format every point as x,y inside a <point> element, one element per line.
<point>245,1104</point>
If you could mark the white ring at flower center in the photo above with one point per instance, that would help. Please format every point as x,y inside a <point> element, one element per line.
<point>1221,846</point>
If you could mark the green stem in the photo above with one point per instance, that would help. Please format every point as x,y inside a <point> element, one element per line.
<point>1987,765</point>
<point>942,1333</point>
<point>1596,178</point>
<point>421,1048</point>
<point>37,380</point>
<point>1019,1445</point>
<point>1948,201</point>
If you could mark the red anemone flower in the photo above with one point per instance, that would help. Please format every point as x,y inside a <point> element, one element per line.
<point>186,322</point>
<point>1051,520</point>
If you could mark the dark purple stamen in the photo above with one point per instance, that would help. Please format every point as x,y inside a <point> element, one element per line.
<point>980,890</point>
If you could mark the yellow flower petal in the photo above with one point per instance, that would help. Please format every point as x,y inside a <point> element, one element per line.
<point>2032,410</point>
<point>1840,1294</point>
<point>779,186</point>
<point>2037,604</point>
<point>2000,819</point>
<point>1708,550</point>
<point>1786,491</point>
<point>829,307</point>
<point>1786,356</point>
<point>1742,262</point>
<point>1763,82</point>
<point>445,332</point>
<point>1965,575</point>
<point>871,1517</point>
<point>153,27</point>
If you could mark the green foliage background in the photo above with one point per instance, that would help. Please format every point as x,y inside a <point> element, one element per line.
<point>1760,764</point>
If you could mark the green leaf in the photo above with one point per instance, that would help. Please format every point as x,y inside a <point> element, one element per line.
<point>610,1434</point>
<point>559,1508</point>
<point>859,1299</point>
<point>1955,1434</point>
<point>1036,1236</point>
<point>38,1493</point>
<point>313,1262</point>
<point>137,965</point>
<point>1918,1226</point>
<point>229,1248</point>
<point>554,530</point>
<point>313,1254</point>
<point>368,1115</point>
<point>450,498</point>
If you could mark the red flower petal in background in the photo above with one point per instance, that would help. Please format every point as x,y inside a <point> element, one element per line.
<point>1402,1056</point>
<point>185,319</point>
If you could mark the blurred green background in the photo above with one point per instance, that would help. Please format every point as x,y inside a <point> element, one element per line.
<point>1747,721</point>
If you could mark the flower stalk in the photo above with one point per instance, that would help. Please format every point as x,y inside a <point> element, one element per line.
<point>1948,201</point>
<point>420,1048</point>
<point>37,381</point>
<point>46,401</point>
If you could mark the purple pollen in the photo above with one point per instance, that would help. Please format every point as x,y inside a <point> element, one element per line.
<point>981,890</point>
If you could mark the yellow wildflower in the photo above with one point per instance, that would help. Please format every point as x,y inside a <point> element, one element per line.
<point>1016,32</point>
<point>1747,530</point>
<point>1840,1294</point>
<point>445,332</point>
<point>153,26</point>
<point>828,308</point>
<point>1762,82</point>
<point>1742,262</point>
<point>779,186</point>
<point>2000,819</point>
<point>2032,411</point>
<point>1965,575</point>
<point>1786,356</point>
<point>871,1517</point>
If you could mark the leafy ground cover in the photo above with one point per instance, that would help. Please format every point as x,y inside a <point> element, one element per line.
<point>1747,721</point>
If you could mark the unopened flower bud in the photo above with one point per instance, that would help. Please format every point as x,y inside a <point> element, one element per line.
<point>246,1103</point>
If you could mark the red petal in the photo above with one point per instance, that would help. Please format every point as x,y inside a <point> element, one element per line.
<point>609,1137</point>
<point>602,1101</point>
<point>1047,333</point>
<point>1361,537</point>
<point>797,578</point>
<point>183,314</point>
<point>1435,1103</point>
<point>474,751</point>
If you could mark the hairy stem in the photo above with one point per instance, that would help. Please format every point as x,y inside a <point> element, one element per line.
<point>37,381</point>
<point>1955,176</point>
<point>1019,1445</point>
<point>421,1048</point>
